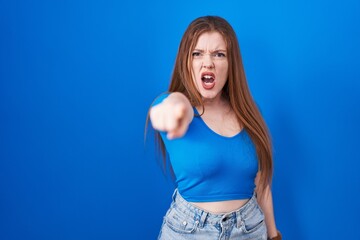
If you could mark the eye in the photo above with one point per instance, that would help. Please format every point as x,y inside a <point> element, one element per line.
<point>196,54</point>
<point>219,55</point>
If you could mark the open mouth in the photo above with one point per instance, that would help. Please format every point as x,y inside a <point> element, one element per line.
<point>208,80</point>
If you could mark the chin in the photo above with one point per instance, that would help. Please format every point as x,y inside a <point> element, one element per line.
<point>209,94</point>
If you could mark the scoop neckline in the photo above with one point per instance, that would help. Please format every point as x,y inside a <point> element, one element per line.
<point>215,133</point>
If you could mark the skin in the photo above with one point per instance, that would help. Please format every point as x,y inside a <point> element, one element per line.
<point>175,114</point>
<point>210,56</point>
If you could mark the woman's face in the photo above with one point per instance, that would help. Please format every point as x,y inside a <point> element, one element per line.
<point>210,65</point>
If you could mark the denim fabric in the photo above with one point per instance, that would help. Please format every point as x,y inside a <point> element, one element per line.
<point>184,221</point>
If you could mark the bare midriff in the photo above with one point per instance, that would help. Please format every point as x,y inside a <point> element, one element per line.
<point>221,207</point>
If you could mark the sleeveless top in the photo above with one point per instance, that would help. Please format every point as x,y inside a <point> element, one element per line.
<point>209,167</point>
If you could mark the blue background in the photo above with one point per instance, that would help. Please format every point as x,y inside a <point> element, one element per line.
<point>76,81</point>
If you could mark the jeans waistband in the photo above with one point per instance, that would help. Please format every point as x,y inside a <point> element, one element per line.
<point>203,216</point>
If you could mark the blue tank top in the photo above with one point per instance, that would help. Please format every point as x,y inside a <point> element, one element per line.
<point>209,167</point>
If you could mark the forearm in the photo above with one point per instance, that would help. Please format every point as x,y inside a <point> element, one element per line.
<point>266,204</point>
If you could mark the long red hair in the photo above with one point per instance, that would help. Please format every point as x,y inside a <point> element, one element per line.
<point>236,90</point>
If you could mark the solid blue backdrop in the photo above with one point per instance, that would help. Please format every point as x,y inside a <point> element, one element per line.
<point>76,81</point>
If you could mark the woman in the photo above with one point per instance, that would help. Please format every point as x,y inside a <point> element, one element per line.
<point>217,141</point>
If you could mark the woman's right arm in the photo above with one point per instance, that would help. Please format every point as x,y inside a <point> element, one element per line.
<point>173,115</point>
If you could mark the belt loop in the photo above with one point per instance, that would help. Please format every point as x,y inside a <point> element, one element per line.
<point>202,219</point>
<point>174,194</point>
<point>239,222</point>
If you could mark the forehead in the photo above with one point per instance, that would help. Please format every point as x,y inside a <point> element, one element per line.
<point>211,40</point>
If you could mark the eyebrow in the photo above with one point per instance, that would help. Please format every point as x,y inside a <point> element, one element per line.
<point>216,50</point>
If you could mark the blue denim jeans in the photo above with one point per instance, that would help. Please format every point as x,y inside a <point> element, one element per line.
<point>184,221</point>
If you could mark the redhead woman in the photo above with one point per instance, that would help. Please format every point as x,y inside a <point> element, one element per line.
<point>217,142</point>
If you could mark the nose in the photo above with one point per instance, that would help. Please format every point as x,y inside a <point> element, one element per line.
<point>208,62</point>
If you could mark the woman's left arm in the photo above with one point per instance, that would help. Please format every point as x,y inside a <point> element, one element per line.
<point>266,203</point>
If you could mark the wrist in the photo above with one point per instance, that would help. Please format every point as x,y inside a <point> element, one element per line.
<point>277,237</point>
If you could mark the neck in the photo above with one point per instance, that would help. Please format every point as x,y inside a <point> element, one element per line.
<point>217,105</point>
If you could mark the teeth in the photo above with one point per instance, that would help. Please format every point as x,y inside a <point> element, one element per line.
<point>208,76</point>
